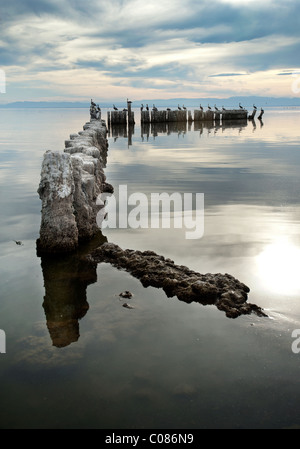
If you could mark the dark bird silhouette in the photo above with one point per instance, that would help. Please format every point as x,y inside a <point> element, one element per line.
<point>255,107</point>
<point>201,107</point>
<point>183,107</point>
<point>168,109</point>
<point>223,109</point>
<point>179,108</point>
<point>216,108</point>
<point>154,108</point>
<point>209,107</point>
<point>147,107</point>
<point>241,107</point>
<point>92,103</point>
<point>116,109</point>
<point>142,107</point>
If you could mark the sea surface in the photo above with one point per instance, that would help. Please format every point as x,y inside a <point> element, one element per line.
<point>76,358</point>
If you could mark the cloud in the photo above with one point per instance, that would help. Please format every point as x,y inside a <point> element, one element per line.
<point>160,43</point>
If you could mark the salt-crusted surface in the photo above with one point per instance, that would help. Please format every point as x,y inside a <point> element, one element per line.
<point>222,290</point>
<point>70,184</point>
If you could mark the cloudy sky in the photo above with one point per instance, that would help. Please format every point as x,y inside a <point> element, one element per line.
<point>72,50</point>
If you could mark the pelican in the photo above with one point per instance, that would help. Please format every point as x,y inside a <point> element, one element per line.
<point>255,107</point>
<point>142,107</point>
<point>201,107</point>
<point>223,109</point>
<point>147,107</point>
<point>241,107</point>
<point>179,108</point>
<point>116,109</point>
<point>209,107</point>
<point>216,108</point>
<point>183,107</point>
<point>154,108</point>
<point>168,109</point>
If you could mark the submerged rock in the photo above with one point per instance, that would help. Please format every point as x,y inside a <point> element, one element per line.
<point>222,290</point>
<point>126,294</point>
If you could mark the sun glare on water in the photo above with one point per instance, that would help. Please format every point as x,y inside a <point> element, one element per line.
<point>278,267</point>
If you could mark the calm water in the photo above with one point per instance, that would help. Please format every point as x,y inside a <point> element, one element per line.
<point>77,359</point>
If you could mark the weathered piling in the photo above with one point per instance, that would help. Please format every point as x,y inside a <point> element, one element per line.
<point>252,116</point>
<point>235,114</point>
<point>145,117</point>
<point>70,185</point>
<point>130,113</point>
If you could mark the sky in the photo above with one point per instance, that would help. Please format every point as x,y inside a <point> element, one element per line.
<point>71,50</point>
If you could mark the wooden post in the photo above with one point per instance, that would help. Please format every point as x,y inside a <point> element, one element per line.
<point>261,114</point>
<point>130,113</point>
<point>251,117</point>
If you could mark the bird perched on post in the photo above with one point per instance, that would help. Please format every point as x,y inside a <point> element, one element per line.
<point>223,109</point>
<point>179,108</point>
<point>116,109</point>
<point>209,107</point>
<point>147,107</point>
<point>255,107</point>
<point>142,107</point>
<point>183,107</point>
<point>216,108</point>
<point>241,107</point>
<point>154,108</point>
<point>201,107</point>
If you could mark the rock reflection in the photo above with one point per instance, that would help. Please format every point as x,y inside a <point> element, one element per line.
<point>66,278</point>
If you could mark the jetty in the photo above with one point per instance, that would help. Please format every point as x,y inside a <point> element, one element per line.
<point>70,189</point>
<point>71,181</point>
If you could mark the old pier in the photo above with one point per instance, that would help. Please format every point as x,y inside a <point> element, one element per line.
<point>70,187</point>
<point>70,184</point>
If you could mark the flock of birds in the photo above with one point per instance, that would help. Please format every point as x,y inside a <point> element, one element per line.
<point>154,108</point>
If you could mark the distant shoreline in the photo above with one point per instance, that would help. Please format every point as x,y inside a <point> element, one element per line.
<point>173,102</point>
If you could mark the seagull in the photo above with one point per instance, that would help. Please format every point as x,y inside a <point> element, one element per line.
<point>179,108</point>
<point>116,109</point>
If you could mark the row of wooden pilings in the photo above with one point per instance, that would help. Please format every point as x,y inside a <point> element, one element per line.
<point>167,116</point>
<point>123,117</point>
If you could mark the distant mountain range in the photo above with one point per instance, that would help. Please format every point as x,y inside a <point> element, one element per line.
<point>232,102</point>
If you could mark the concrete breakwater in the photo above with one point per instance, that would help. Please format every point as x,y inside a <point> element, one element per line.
<point>70,184</point>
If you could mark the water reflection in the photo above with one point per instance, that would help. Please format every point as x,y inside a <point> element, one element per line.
<point>66,279</point>
<point>179,128</point>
